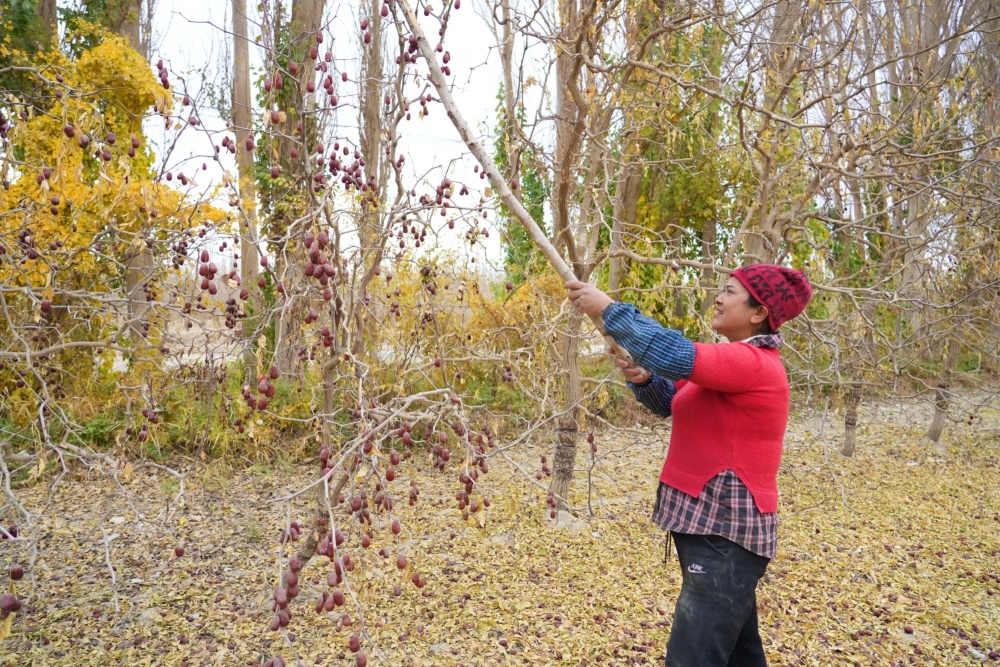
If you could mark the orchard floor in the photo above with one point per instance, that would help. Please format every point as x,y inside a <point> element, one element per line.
<point>889,557</point>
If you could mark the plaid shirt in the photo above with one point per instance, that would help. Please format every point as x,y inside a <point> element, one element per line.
<point>725,506</point>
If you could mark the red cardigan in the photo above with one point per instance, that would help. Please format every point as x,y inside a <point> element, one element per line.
<point>730,415</point>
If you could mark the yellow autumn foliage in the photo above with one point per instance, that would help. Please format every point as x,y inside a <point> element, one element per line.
<point>106,92</point>
<point>80,198</point>
<point>104,96</point>
<point>524,318</point>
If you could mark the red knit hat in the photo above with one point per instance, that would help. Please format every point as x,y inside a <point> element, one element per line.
<point>785,292</point>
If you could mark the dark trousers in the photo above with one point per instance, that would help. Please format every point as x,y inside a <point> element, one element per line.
<point>715,621</point>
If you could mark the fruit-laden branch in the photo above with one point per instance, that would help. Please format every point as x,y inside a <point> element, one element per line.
<point>308,550</point>
<point>59,347</point>
<point>503,189</point>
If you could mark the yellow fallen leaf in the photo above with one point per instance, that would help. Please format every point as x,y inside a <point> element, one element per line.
<point>5,626</point>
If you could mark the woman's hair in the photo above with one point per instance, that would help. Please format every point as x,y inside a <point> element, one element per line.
<point>764,328</point>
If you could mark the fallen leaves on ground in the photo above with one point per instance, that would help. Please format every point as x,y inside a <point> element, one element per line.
<point>890,557</point>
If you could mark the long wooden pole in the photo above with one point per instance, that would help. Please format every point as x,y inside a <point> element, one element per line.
<point>500,186</point>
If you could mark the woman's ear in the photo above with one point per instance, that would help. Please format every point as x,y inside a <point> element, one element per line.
<point>759,315</point>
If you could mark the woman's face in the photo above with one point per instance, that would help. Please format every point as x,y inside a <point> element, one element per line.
<point>734,318</point>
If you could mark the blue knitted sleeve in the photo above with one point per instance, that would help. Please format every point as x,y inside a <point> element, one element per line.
<point>662,351</point>
<point>656,394</point>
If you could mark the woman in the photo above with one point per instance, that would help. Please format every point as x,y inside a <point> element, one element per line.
<point>718,494</point>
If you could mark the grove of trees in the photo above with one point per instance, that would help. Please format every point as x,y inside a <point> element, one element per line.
<point>333,297</point>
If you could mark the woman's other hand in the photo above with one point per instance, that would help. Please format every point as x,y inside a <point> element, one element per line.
<point>634,374</point>
<point>586,298</point>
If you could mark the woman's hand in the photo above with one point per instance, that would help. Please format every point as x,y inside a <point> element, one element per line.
<point>586,298</point>
<point>634,374</point>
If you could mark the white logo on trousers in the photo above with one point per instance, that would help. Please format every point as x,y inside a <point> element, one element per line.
<point>694,568</point>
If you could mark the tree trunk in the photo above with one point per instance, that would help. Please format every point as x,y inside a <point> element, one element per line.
<point>129,25</point>
<point>308,548</point>
<point>46,11</point>
<point>626,204</point>
<point>567,426</point>
<point>568,131</point>
<point>306,19</point>
<point>512,131</point>
<point>709,239</point>
<point>564,458</point>
<point>912,276</point>
<point>372,237</point>
<point>371,103</point>
<point>859,356</point>
<point>942,392</point>
<point>373,230</point>
<point>851,415</point>
<point>288,346</point>
<point>329,393</point>
<point>241,105</point>
<point>138,269</point>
